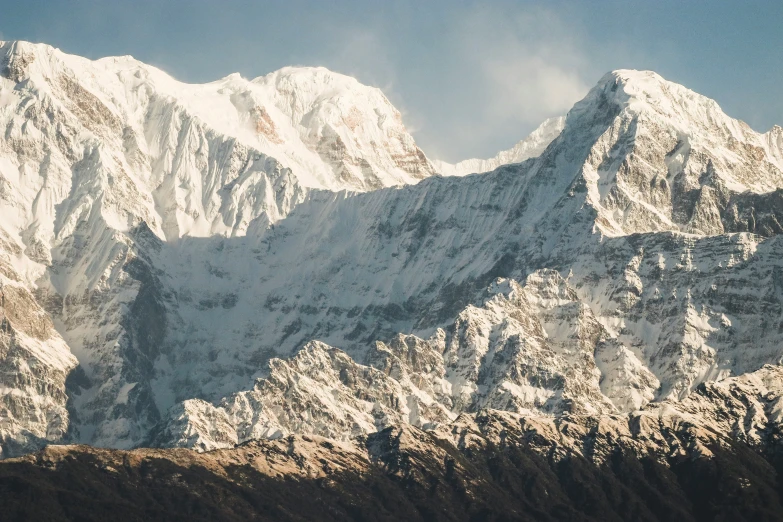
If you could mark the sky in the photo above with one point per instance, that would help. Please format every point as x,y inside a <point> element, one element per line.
<point>470,78</point>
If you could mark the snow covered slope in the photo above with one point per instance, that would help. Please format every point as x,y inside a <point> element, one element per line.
<point>357,135</point>
<point>530,147</point>
<point>186,159</point>
<point>35,362</point>
<point>213,258</point>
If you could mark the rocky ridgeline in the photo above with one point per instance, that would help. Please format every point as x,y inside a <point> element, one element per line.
<point>710,456</point>
<point>527,350</point>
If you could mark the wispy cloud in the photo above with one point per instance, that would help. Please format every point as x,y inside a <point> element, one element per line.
<point>368,55</point>
<point>530,84</point>
<point>469,79</point>
<point>528,66</point>
<point>365,54</point>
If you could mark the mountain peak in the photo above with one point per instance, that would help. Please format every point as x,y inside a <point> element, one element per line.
<point>642,91</point>
<point>633,76</point>
<point>304,87</point>
<point>306,73</point>
<point>663,157</point>
<point>22,46</point>
<point>344,120</point>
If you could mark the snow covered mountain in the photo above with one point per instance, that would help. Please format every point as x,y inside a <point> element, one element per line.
<point>618,306</point>
<point>205,159</point>
<point>92,151</point>
<point>202,265</point>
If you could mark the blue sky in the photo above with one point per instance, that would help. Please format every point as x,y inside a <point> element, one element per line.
<point>471,78</point>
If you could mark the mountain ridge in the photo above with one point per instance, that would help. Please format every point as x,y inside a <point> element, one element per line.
<point>529,147</point>
<point>175,261</point>
<point>492,464</point>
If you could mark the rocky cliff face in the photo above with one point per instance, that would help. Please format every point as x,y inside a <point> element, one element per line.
<point>715,455</point>
<point>527,350</point>
<point>35,363</point>
<point>205,265</point>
